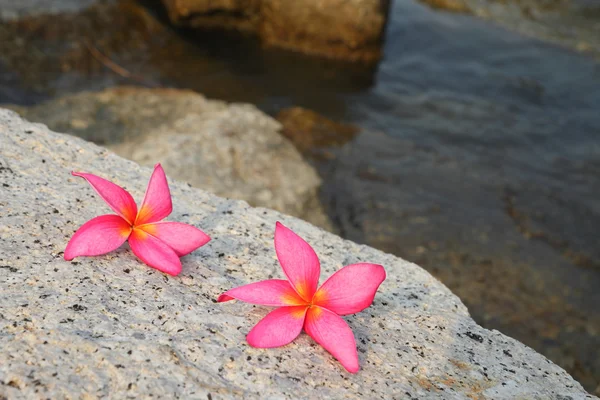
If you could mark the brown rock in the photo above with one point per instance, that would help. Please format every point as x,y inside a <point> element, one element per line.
<point>311,132</point>
<point>242,15</point>
<point>342,29</point>
<point>457,6</point>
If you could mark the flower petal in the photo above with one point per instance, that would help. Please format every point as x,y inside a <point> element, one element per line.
<point>157,200</point>
<point>278,328</point>
<point>333,333</point>
<point>114,195</point>
<point>298,261</point>
<point>154,252</point>
<point>273,292</point>
<point>98,236</point>
<point>182,238</point>
<point>351,289</point>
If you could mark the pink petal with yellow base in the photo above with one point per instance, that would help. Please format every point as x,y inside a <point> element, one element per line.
<point>154,252</point>
<point>114,195</point>
<point>351,289</point>
<point>158,244</point>
<point>273,292</point>
<point>298,261</point>
<point>182,238</point>
<point>98,236</point>
<point>333,333</point>
<point>278,328</point>
<point>157,200</point>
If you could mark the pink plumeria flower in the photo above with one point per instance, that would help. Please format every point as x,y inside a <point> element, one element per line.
<point>158,244</point>
<point>302,305</point>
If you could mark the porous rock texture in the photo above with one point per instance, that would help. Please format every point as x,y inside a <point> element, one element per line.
<point>345,29</point>
<point>232,150</point>
<point>109,326</point>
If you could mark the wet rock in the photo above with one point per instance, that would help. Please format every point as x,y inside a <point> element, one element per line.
<point>123,42</point>
<point>110,326</point>
<point>312,133</point>
<point>448,5</point>
<point>85,48</point>
<point>12,10</point>
<point>351,30</point>
<point>242,16</point>
<point>343,29</point>
<point>231,150</point>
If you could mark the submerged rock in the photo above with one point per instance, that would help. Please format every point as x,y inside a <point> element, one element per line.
<point>351,30</point>
<point>313,134</point>
<point>15,9</point>
<point>110,326</point>
<point>231,150</point>
<point>572,23</point>
<point>56,49</point>
<point>449,5</point>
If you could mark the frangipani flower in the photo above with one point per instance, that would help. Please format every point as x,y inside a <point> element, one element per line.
<point>158,244</point>
<point>302,305</point>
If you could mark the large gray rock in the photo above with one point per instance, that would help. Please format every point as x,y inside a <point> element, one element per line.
<point>110,326</point>
<point>231,150</point>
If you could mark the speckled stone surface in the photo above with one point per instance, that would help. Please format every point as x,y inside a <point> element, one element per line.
<point>109,326</point>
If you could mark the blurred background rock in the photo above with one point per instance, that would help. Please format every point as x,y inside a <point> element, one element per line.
<point>459,134</point>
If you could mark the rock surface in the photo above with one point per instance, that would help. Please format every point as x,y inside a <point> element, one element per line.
<point>231,150</point>
<point>343,29</point>
<point>110,326</point>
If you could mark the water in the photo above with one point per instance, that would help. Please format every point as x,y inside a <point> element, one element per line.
<point>479,157</point>
<point>486,172</point>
